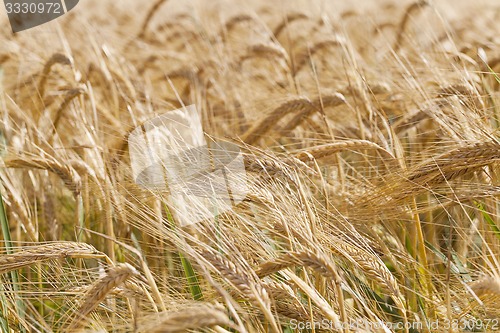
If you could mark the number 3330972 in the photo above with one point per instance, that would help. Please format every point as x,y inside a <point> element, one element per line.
<point>34,8</point>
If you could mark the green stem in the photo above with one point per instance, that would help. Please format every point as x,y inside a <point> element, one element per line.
<point>9,249</point>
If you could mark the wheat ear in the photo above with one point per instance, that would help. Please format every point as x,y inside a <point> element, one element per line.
<point>414,7</point>
<point>455,163</point>
<point>329,100</point>
<point>197,317</point>
<point>287,20</point>
<point>286,302</point>
<point>370,264</point>
<point>149,17</point>
<point>250,287</point>
<point>40,253</point>
<point>310,52</point>
<point>67,174</point>
<point>97,293</point>
<point>56,58</point>
<point>69,96</point>
<point>238,278</point>
<point>317,262</point>
<point>486,291</point>
<point>332,148</point>
<point>262,127</point>
<point>235,20</point>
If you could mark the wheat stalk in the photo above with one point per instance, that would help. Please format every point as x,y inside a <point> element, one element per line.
<point>287,20</point>
<point>60,250</point>
<point>267,50</point>
<point>486,294</point>
<point>201,316</point>
<point>114,277</point>
<point>235,20</point>
<point>333,148</point>
<point>262,127</point>
<point>286,302</point>
<point>311,51</point>
<point>67,174</point>
<point>238,278</point>
<point>316,261</point>
<point>488,285</point>
<point>246,283</point>
<point>371,265</point>
<point>152,11</point>
<point>70,95</point>
<point>56,58</point>
<point>325,101</point>
<point>414,7</point>
<point>455,163</point>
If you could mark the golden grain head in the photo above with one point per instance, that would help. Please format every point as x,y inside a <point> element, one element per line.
<point>362,184</point>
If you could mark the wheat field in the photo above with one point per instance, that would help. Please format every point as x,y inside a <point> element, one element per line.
<point>368,131</point>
